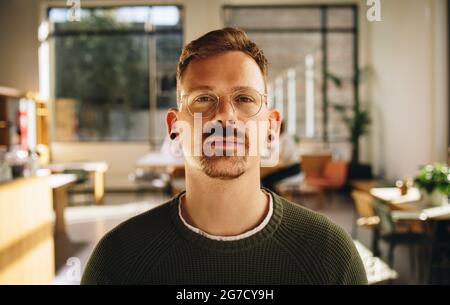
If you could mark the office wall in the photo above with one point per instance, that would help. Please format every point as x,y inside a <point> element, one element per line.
<point>409,86</point>
<point>19,44</point>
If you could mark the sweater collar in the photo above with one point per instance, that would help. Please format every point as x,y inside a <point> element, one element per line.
<point>228,245</point>
<point>228,238</point>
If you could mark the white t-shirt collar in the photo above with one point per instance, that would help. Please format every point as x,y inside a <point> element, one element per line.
<point>234,237</point>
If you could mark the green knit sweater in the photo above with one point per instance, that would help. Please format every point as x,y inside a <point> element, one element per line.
<point>297,246</point>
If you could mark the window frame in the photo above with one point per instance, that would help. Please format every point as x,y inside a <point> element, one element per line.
<point>152,139</point>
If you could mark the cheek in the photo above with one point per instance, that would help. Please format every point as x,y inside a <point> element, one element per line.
<point>191,133</point>
<point>183,125</point>
<point>262,121</point>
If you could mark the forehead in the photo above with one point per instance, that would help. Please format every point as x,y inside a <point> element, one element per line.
<point>223,71</point>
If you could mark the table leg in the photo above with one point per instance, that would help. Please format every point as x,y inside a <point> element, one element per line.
<point>59,204</point>
<point>99,186</point>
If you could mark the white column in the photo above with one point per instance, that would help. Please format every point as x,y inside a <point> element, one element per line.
<point>292,102</point>
<point>309,96</point>
<point>279,97</point>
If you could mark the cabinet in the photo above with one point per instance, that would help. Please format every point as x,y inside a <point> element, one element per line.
<point>26,232</point>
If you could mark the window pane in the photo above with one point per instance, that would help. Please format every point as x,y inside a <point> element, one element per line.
<point>108,79</point>
<point>168,48</point>
<point>122,18</point>
<point>167,53</point>
<point>340,18</point>
<point>287,68</point>
<point>103,72</point>
<point>340,65</point>
<point>273,18</point>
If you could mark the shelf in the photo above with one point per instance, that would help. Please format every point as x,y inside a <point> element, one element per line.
<point>11,92</point>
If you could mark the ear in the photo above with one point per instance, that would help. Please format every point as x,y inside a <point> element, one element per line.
<point>171,118</point>
<point>274,118</point>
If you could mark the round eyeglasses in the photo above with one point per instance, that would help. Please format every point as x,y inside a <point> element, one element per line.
<point>246,102</point>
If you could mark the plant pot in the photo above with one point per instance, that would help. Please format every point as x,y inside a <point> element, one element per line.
<point>359,171</point>
<point>435,198</point>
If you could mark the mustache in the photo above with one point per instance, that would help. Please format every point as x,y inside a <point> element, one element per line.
<point>230,130</point>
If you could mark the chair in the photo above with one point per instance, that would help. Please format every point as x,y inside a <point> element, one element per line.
<point>391,235</point>
<point>365,217</point>
<point>295,186</point>
<point>314,165</point>
<point>439,264</point>
<point>311,165</point>
<point>302,190</point>
<point>334,175</point>
<point>82,185</point>
<point>150,180</point>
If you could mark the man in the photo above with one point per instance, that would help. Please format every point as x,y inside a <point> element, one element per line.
<point>224,228</point>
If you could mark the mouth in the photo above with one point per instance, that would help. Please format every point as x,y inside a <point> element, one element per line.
<point>228,142</point>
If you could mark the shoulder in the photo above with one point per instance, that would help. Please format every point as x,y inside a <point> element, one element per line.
<point>149,223</point>
<point>327,243</point>
<point>122,247</point>
<point>307,223</point>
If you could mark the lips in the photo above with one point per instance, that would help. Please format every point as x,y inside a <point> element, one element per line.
<point>225,142</point>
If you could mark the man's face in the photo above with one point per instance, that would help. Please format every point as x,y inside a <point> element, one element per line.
<point>222,74</point>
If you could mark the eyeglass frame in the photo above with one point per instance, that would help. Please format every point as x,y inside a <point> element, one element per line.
<point>229,95</point>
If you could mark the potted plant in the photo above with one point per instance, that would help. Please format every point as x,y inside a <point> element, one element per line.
<point>357,124</point>
<point>357,121</point>
<point>434,182</point>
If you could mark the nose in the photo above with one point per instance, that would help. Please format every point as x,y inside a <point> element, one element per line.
<point>225,111</point>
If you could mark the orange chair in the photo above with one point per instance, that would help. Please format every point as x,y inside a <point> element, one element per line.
<point>334,175</point>
<point>314,165</point>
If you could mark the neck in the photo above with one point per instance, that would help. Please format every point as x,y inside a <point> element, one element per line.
<point>224,207</point>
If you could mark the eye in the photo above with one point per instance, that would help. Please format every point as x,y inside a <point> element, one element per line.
<point>204,99</point>
<point>244,99</point>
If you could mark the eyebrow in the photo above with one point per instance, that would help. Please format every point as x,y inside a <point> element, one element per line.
<point>235,88</point>
<point>201,88</point>
<point>242,88</point>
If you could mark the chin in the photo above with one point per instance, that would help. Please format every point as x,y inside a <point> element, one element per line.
<point>224,168</point>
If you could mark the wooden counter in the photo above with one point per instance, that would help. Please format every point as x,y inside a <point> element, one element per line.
<point>26,233</point>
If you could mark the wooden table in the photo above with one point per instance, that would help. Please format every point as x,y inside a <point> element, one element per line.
<point>365,185</point>
<point>155,160</point>
<point>60,184</point>
<point>97,168</point>
<point>411,202</point>
<point>431,220</point>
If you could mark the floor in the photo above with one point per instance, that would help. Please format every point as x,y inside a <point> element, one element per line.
<point>87,223</point>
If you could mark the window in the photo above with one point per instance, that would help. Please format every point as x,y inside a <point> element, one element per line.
<point>114,72</point>
<point>308,47</point>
